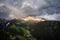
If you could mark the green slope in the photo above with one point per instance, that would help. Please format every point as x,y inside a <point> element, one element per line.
<point>20,30</point>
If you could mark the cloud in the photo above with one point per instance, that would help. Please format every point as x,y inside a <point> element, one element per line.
<point>50,17</point>
<point>48,9</point>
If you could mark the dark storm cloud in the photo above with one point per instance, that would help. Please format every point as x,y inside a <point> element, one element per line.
<point>48,9</point>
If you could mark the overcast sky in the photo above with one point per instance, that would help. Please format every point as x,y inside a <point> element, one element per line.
<point>48,9</point>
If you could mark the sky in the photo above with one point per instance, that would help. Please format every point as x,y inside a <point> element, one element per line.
<point>48,9</point>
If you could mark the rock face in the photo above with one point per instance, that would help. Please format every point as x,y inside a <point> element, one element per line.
<point>47,30</point>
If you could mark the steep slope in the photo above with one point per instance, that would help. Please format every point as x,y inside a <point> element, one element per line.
<point>46,30</point>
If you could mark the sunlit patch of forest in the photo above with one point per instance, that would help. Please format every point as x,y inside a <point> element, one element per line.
<point>21,30</point>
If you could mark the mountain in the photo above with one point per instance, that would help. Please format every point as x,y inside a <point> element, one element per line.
<point>21,30</point>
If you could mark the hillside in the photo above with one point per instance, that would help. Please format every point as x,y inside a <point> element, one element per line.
<point>22,30</point>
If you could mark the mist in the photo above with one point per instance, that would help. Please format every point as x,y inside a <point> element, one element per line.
<point>48,9</point>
